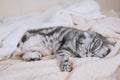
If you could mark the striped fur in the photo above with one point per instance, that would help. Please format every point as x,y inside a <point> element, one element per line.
<point>63,42</point>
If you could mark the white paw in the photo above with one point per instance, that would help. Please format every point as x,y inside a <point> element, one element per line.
<point>32,56</point>
<point>66,66</point>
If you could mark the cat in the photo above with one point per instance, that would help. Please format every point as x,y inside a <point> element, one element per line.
<point>63,42</point>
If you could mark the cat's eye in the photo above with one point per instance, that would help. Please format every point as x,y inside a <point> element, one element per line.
<point>80,43</point>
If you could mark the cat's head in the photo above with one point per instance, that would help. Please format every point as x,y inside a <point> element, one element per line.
<point>91,44</point>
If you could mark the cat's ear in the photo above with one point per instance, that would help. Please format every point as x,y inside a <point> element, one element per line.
<point>86,34</point>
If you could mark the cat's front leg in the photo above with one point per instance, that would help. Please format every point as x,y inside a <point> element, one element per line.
<point>32,56</point>
<point>64,62</point>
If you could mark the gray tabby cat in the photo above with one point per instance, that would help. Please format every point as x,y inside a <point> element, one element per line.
<point>63,42</point>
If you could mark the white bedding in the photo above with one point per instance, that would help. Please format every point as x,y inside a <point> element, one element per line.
<point>11,30</point>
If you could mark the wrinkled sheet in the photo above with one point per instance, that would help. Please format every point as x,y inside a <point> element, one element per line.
<point>11,30</point>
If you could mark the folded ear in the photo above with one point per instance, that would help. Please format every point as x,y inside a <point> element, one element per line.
<point>86,35</point>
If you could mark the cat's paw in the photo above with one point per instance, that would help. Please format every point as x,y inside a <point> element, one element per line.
<point>32,56</point>
<point>66,66</point>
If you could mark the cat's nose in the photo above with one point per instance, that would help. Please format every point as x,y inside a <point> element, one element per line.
<point>103,55</point>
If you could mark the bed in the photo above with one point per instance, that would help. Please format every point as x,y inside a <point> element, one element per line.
<point>11,30</point>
